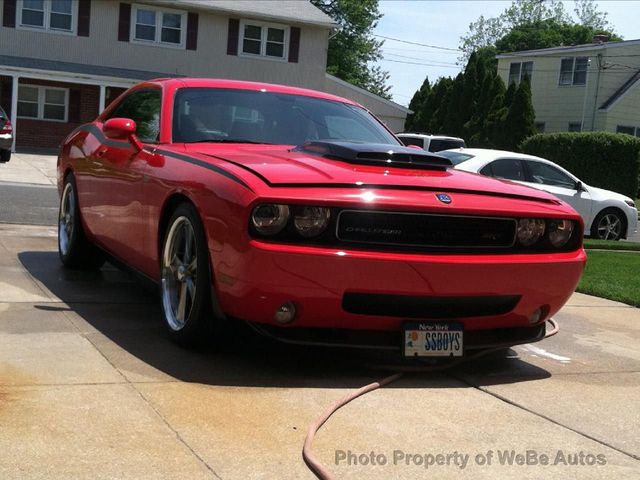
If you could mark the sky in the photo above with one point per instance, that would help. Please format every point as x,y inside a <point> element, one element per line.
<point>442,22</point>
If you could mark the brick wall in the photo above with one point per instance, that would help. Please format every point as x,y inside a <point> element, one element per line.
<point>83,108</point>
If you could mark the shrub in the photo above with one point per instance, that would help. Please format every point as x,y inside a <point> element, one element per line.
<point>602,159</point>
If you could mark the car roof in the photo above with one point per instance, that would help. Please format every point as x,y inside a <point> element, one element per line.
<point>424,135</point>
<point>490,154</point>
<point>245,85</point>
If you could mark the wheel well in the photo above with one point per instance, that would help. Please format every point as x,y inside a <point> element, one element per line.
<point>623,217</point>
<point>169,206</point>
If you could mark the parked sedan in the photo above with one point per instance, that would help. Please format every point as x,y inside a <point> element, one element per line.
<point>6,137</point>
<point>299,213</point>
<point>607,215</point>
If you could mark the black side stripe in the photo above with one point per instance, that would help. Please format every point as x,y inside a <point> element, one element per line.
<point>96,132</point>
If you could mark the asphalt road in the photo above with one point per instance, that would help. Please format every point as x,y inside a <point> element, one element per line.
<point>28,204</point>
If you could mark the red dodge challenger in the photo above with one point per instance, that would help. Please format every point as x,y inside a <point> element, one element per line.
<point>301,214</point>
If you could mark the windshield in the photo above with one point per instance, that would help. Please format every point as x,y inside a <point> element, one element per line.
<point>246,116</point>
<point>455,157</point>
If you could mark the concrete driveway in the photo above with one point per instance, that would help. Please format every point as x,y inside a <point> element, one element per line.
<point>91,388</point>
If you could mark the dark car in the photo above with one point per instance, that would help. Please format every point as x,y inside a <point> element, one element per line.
<point>6,137</point>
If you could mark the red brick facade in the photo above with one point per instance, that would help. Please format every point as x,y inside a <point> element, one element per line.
<point>83,107</point>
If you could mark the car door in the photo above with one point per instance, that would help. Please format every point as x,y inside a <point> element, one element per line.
<point>551,179</point>
<point>118,180</point>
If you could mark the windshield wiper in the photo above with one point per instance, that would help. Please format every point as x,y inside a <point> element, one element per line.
<point>230,140</point>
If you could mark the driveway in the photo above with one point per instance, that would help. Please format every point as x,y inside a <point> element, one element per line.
<point>91,388</point>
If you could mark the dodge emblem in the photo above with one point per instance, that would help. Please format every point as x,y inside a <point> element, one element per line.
<point>443,197</point>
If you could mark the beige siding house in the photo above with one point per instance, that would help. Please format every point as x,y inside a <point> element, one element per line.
<point>62,62</point>
<point>581,88</point>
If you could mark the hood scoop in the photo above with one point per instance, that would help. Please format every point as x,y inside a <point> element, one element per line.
<point>378,154</point>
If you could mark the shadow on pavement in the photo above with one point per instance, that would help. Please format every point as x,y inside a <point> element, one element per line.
<point>121,315</point>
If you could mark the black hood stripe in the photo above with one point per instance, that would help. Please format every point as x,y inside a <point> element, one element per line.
<point>96,132</point>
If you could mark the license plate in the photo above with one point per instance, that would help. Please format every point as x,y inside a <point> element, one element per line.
<point>433,339</point>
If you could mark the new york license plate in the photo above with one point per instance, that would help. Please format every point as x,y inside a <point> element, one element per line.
<point>433,339</point>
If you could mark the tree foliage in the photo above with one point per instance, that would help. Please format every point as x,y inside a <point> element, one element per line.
<point>352,49</point>
<point>532,24</point>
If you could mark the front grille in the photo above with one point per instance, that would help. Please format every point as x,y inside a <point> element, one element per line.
<point>428,307</point>
<point>425,230</point>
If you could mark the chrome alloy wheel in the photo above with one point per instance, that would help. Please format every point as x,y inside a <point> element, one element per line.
<point>179,270</point>
<point>609,227</point>
<point>66,218</point>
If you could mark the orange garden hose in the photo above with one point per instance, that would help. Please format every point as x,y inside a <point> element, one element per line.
<point>307,450</point>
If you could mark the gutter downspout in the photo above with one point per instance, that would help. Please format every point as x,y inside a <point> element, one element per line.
<point>595,101</point>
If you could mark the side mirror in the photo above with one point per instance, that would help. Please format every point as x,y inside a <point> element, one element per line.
<point>122,129</point>
<point>580,186</point>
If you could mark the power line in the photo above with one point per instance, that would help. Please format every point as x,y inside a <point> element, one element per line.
<point>422,58</point>
<point>418,63</point>
<point>419,44</point>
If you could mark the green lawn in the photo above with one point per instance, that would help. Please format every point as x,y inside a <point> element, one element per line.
<point>612,275</point>
<point>610,244</point>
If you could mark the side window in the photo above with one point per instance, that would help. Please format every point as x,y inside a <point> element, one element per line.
<point>548,175</point>
<point>508,169</point>
<point>143,107</point>
<point>437,145</point>
<point>418,142</point>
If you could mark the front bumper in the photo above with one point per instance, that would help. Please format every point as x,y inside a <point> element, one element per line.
<point>253,284</point>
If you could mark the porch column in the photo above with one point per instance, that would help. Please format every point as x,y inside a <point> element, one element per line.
<point>14,109</point>
<point>103,96</point>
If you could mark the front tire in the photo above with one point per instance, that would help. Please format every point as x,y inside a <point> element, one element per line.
<point>186,289</point>
<point>609,224</point>
<point>5,156</point>
<point>74,250</point>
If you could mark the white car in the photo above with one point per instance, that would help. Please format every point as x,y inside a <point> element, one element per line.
<point>607,215</point>
<point>430,143</point>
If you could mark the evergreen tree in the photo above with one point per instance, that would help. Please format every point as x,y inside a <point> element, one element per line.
<point>417,104</point>
<point>520,120</point>
<point>452,120</point>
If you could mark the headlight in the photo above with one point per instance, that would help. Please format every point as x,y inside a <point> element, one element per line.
<point>530,230</point>
<point>270,218</point>
<point>311,221</point>
<point>631,203</point>
<point>560,232</point>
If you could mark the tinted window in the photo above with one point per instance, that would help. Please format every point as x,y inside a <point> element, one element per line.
<point>507,168</point>
<point>247,116</point>
<point>456,157</point>
<point>437,145</point>
<point>549,175</point>
<point>418,142</point>
<point>143,107</point>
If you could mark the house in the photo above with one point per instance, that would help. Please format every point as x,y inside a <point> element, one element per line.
<point>63,61</point>
<point>581,88</point>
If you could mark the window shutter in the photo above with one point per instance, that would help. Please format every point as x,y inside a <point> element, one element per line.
<point>9,13</point>
<point>192,31</point>
<point>234,32</point>
<point>84,17</point>
<point>74,105</point>
<point>124,22</point>
<point>294,44</point>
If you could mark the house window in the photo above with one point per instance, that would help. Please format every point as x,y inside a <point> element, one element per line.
<point>51,15</point>
<point>158,26</point>
<point>518,70</point>
<point>265,40</point>
<point>575,127</point>
<point>628,130</point>
<point>573,71</point>
<point>43,103</point>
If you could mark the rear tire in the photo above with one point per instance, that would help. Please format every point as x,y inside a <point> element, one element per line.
<point>74,250</point>
<point>186,286</point>
<point>5,156</point>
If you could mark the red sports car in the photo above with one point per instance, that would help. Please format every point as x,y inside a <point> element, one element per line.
<point>302,214</point>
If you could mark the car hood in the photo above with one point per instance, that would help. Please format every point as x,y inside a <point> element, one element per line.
<point>602,194</point>
<point>280,166</point>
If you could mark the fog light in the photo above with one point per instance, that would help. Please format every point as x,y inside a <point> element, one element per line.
<point>535,316</point>
<point>285,313</point>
